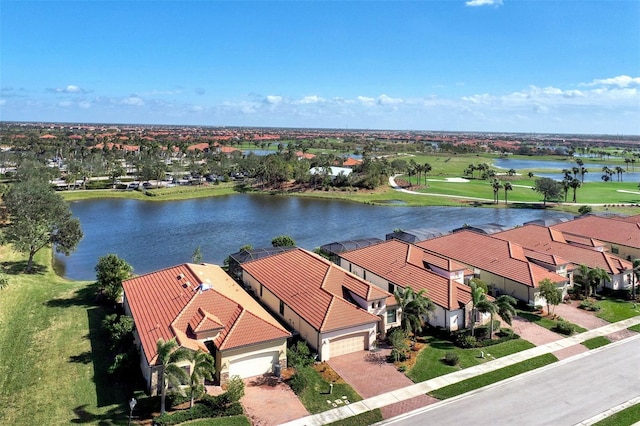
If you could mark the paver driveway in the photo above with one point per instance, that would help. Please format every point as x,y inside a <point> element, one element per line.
<point>370,375</point>
<point>572,313</point>
<point>269,402</point>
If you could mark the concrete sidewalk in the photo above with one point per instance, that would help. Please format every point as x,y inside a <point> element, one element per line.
<point>427,386</point>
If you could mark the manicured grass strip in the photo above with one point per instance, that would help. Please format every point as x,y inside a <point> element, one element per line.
<point>635,328</point>
<point>161,194</point>
<point>547,323</point>
<point>368,418</point>
<point>429,363</point>
<point>596,342</point>
<point>614,310</point>
<point>221,421</point>
<point>493,377</point>
<point>53,358</point>
<point>315,395</point>
<point>626,417</point>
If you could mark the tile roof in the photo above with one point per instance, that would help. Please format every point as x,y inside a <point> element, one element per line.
<point>187,299</point>
<point>313,287</point>
<point>617,231</point>
<point>402,264</point>
<point>500,257</point>
<point>545,240</point>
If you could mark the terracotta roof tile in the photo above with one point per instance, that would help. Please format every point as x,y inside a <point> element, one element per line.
<point>544,240</point>
<point>491,254</point>
<point>617,231</point>
<point>392,259</point>
<point>313,288</point>
<point>168,303</point>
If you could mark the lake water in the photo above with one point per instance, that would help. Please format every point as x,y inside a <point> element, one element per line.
<point>152,235</point>
<point>594,171</point>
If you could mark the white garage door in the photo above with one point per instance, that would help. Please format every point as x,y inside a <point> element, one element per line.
<point>348,344</point>
<point>253,365</point>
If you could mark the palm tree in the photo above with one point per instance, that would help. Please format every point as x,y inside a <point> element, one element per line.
<point>596,276</point>
<point>477,296</point>
<point>485,306</point>
<point>619,171</point>
<point>506,307</point>
<point>413,306</point>
<point>496,185</point>
<point>426,168</point>
<point>203,368</point>
<point>507,187</point>
<point>168,372</point>
<point>582,279</point>
<point>574,184</point>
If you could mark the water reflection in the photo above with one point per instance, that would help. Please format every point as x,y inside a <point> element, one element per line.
<point>151,235</point>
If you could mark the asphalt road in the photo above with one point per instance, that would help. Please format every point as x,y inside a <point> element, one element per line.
<point>566,393</point>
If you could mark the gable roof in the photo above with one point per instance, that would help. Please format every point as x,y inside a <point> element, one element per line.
<point>500,257</point>
<point>402,264</point>
<point>314,288</point>
<point>549,241</point>
<point>617,231</point>
<point>187,299</point>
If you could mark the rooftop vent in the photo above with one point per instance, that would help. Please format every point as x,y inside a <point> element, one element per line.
<point>179,277</point>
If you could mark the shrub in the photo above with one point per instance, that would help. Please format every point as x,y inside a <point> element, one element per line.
<point>397,355</point>
<point>198,411</point>
<point>299,355</point>
<point>590,305</point>
<point>564,327</point>
<point>402,368</point>
<point>466,341</point>
<point>235,389</point>
<point>298,383</point>
<point>451,358</point>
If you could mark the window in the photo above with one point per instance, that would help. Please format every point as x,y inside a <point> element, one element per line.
<point>364,275</point>
<point>281,307</point>
<point>260,290</point>
<point>615,249</point>
<point>391,316</point>
<point>392,288</point>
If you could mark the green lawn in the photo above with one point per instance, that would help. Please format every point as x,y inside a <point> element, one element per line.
<point>429,363</point>
<point>626,417</point>
<point>493,377</point>
<point>220,421</point>
<point>52,358</point>
<point>545,322</point>
<point>160,194</point>
<point>368,418</point>
<point>614,310</point>
<point>596,342</point>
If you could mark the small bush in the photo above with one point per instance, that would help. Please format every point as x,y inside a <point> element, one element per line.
<point>590,305</point>
<point>402,368</point>
<point>299,355</point>
<point>397,355</point>
<point>298,383</point>
<point>451,358</point>
<point>466,341</point>
<point>564,327</point>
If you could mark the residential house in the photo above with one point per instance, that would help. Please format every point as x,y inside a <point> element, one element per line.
<point>203,308</point>
<point>395,264</point>
<point>335,311</point>
<point>621,235</point>
<point>583,251</point>
<point>501,264</point>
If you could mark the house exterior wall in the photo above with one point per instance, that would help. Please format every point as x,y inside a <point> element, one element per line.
<point>324,354</point>
<point>226,358</point>
<point>272,302</point>
<point>512,288</point>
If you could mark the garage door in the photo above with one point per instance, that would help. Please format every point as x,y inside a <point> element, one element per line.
<point>348,344</point>
<point>253,365</point>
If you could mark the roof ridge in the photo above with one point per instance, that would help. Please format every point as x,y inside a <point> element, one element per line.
<point>326,314</point>
<point>234,319</point>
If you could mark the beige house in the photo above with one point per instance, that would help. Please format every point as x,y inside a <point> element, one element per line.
<point>502,265</point>
<point>334,311</point>
<point>395,264</point>
<point>203,308</point>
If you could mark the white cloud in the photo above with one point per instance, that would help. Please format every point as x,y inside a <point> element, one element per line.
<point>70,89</point>
<point>84,105</point>
<point>365,100</point>
<point>474,3</point>
<point>619,81</point>
<point>65,104</point>
<point>387,100</point>
<point>311,100</point>
<point>133,100</point>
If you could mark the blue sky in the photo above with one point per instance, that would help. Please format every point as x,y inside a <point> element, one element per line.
<point>479,65</point>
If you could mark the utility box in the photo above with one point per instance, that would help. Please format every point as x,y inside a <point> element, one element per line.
<point>277,368</point>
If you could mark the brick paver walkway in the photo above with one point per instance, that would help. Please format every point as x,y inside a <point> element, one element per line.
<point>269,402</point>
<point>370,375</point>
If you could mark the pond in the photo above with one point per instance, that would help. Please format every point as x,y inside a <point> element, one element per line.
<point>152,235</point>
<point>594,171</point>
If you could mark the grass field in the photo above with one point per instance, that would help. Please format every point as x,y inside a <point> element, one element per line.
<point>52,362</point>
<point>429,363</point>
<point>493,377</point>
<point>614,310</point>
<point>627,417</point>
